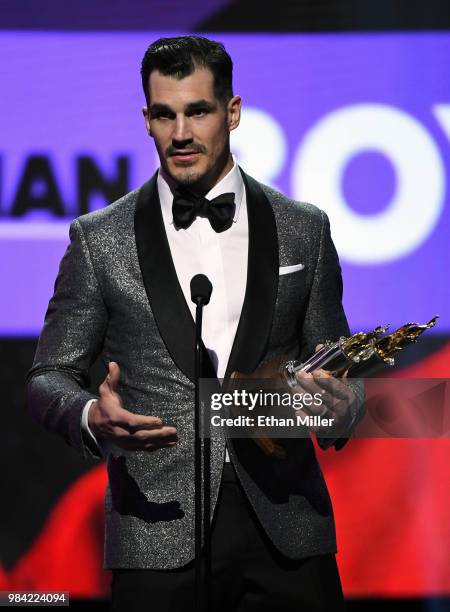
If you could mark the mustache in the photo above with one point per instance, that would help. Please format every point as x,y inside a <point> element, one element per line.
<point>195,148</point>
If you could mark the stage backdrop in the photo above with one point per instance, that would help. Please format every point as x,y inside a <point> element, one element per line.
<point>357,124</point>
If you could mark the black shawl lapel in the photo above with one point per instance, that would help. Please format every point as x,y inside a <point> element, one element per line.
<point>262,282</point>
<point>172,314</point>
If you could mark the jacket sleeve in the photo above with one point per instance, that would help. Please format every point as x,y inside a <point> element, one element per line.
<point>325,318</point>
<point>71,340</point>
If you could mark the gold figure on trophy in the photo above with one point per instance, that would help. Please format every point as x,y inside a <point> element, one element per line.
<point>386,347</point>
<point>360,346</point>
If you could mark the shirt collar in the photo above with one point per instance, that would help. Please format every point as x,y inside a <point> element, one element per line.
<point>231,182</point>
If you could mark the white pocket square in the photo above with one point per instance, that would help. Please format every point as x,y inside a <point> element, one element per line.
<point>290,269</point>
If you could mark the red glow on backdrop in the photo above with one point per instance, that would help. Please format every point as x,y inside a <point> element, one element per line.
<point>4,580</point>
<point>392,502</point>
<point>391,499</point>
<point>67,555</point>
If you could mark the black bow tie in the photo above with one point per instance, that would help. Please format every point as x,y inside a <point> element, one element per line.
<point>187,206</point>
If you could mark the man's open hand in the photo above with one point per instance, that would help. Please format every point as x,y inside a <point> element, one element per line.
<point>109,420</point>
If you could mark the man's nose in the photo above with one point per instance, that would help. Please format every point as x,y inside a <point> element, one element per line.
<point>182,132</point>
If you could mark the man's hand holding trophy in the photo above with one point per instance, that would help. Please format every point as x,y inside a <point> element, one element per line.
<point>334,373</point>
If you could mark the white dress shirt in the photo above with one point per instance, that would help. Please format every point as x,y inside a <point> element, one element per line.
<point>222,257</point>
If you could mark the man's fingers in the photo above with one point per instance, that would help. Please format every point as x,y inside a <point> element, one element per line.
<point>336,399</point>
<point>113,376</point>
<point>308,384</point>
<point>145,435</point>
<point>141,427</point>
<point>111,381</point>
<point>338,395</point>
<point>333,385</point>
<point>156,435</point>
<point>135,422</point>
<point>318,383</point>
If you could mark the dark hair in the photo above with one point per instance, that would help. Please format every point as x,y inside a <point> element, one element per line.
<point>181,55</point>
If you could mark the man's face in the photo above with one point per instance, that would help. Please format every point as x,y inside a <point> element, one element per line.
<point>191,127</point>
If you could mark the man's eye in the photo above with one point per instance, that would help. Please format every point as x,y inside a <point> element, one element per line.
<point>199,112</point>
<point>161,115</point>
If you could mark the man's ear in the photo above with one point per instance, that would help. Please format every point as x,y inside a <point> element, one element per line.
<point>147,120</point>
<point>234,112</point>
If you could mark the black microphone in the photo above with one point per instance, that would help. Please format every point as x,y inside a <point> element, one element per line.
<point>201,289</point>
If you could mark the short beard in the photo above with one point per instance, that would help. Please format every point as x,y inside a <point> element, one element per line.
<point>196,182</point>
<point>189,179</point>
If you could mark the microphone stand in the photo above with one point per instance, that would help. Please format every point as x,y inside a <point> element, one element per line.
<point>200,292</point>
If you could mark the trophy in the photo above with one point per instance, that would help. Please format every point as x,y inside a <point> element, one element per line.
<point>355,356</point>
<point>359,354</point>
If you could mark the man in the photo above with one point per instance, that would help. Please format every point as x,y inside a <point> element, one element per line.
<point>123,293</point>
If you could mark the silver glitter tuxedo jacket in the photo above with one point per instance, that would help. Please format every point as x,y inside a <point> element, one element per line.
<point>117,296</point>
